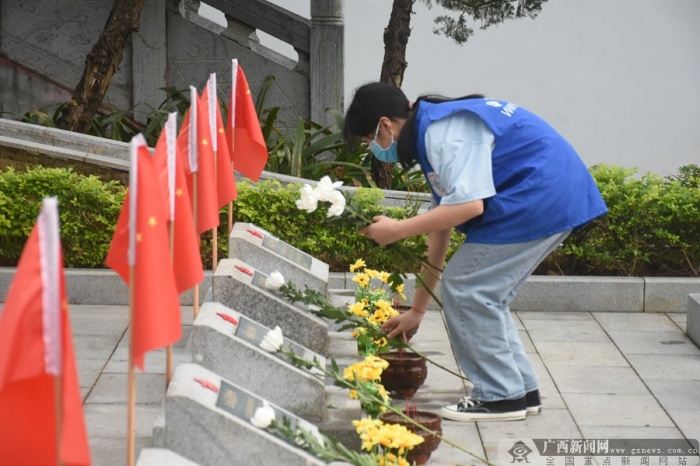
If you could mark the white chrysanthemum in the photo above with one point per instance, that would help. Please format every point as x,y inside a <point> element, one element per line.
<point>337,205</point>
<point>273,340</point>
<point>263,416</point>
<point>308,200</point>
<point>325,189</point>
<point>275,281</point>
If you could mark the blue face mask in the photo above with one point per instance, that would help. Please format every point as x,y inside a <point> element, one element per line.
<point>386,155</point>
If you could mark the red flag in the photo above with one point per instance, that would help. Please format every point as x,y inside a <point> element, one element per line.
<point>249,152</point>
<point>225,182</point>
<point>37,361</point>
<point>141,242</point>
<point>186,258</point>
<point>195,152</point>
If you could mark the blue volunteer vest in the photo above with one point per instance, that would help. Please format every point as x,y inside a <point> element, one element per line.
<point>542,186</point>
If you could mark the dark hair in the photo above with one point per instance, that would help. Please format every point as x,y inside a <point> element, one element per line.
<point>371,102</point>
<point>375,100</point>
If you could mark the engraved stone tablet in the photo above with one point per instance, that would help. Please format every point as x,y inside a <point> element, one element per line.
<point>228,343</point>
<point>267,253</point>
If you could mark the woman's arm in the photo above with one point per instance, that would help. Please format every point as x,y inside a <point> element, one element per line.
<point>438,241</point>
<point>385,230</point>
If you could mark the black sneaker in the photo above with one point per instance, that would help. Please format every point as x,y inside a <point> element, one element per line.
<point>534,405</point>
<point>470,410</point>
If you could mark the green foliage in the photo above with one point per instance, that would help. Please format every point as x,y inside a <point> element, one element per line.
<point>488,13</point>
<point>88,210</point>
<point>271,206</point>
<point>652,228</point>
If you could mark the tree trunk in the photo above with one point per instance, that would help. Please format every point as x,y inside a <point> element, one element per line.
<point>395,39</point>
<point>101,65</point>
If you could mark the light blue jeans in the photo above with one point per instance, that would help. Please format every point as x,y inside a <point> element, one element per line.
<point>478,285</point>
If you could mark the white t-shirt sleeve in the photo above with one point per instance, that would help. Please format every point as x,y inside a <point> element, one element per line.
<point>459,149</point>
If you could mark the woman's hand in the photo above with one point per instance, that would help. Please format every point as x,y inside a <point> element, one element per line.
<point>383,230</point>
<point>402,323</point>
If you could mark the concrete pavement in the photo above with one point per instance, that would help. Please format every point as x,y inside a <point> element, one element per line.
<point>604,375</point>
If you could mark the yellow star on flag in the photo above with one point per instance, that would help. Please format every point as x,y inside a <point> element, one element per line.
<point>178,192</point>
<point>221,130</point>
<point>152,221</point>
<point>139,237</point>
<point>205,142</point>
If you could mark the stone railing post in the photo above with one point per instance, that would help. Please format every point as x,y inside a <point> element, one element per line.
<point>327,59</point>
<point>149,60</point>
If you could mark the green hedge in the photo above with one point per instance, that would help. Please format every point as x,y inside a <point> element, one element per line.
<point>652,229</point>
<point>88,209</point>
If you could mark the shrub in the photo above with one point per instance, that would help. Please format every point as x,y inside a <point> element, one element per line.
<point>88,210</point>
<point>271,206</point>
<point>652,228</point>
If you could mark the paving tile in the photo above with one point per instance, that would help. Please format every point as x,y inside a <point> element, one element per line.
<point>634,321</point>
<point>676,394</point>
<point>687,420</point>
<point>553,423</point>
<point>527,342</point>
<point>112,388</point>
<point>603,379</point>
<point>112,451</point>
<point>654,342</point>
<point>551,399</point>
<point>666,367</point>
<point>110,420</point>
<point>616,410</point>
<point>554,316</point>
<point>464,435</point>
<point>566,330</point>
<point>95,346</point>
<point>580,353</point>
<point>630,432</point>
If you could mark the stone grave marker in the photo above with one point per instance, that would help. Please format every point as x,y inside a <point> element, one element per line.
<point>239,286</point>
<point>257,247</point>
<point>207,420</point>
<point>228,343</point>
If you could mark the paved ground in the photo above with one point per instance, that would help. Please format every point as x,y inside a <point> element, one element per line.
<point>603,376</point>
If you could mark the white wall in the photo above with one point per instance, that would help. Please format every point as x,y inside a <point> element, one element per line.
<point>619,78</point>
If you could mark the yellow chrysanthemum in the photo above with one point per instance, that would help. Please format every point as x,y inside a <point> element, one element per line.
<point>359,263</point>
<point>358,309</point>
<point>381,341</point>
<point>384,277</point>
<point>362,279</point>
<point>371,273</point>
<point>399,291</point>
<point>383,304</point>
<point>353,394</point>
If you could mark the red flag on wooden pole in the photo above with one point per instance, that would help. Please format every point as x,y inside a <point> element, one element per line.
<point>244,134</point>
<point>225,182</point>
<point>186,258</point>
<point>195,151</point>
<point>41,416</point>
<point>140,243</point>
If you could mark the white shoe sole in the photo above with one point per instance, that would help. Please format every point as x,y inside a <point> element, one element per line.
<point>534,410</point>
<point>454,415</point>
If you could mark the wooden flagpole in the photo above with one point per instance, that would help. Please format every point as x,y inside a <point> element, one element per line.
<point>195,291</point>
<point>58,403</point>
<point>131,384</point>
<point>169,349</point>
<point>214,231</point>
